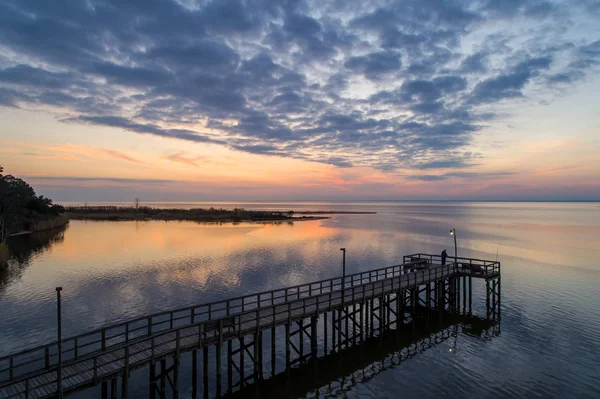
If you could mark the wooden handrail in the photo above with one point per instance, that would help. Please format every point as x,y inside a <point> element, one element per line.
<point>212,311</point>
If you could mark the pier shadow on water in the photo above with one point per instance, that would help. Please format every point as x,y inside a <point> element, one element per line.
<point>337,373</point>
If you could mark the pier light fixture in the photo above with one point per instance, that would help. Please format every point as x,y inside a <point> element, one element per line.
<point>343,266</point>
<point>453,233</point>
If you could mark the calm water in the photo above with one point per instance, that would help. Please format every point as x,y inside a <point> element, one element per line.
<point>549,345</point>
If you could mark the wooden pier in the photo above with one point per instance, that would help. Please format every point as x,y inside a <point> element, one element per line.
<point>336,314</point>
<point>337,372</point>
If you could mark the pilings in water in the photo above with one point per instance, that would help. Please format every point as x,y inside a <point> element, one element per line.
<point>236,363</point>
<point>239,342</point>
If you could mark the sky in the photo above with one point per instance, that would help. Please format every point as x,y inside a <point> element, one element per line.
<point>106,100</point>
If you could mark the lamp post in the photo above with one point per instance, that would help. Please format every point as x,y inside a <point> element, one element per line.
<point>453,233</point>
<point>343,267</point>
<point>59,392</point>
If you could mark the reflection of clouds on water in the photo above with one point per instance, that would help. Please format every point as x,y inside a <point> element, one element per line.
<point>550,322</point>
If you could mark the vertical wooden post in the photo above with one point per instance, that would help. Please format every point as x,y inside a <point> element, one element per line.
<point>456,293</point>
<point>301,339</point>
<point>313,337</point>
<point>163,375</point>
<point>494,285</point>
<point>176,364</point>
<point>194,374</point>
<point>470,296</point>
<point>230,366</point>
<point>325,337</point>
<point>256,366</point>
<point>125,378</point>
<point>205,371</point>
<point>499,298</point>
<point>487,299</point>
<point>113,388</point>
<point>59,392</point>
<point>152,379</point>
<point>219,346</point>
<point>346,310</point>
<point>366,310</point>
<point>398,314</point>
<point>361,320</point>
<point>287,347</point>
<point>464,292</point>
<point>372,317</point>
<point>442,295</point>
<point>339,327</point>
<point>354,327</point>
<point>381,317</point>
<point>104,391</point>
<point>454,290</point>
<point>260,355</point>
<point>273,352</point>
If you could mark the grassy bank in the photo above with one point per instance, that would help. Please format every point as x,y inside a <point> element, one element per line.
<point>4,254</point>
<point>198,214</point>
<point>48,224</point>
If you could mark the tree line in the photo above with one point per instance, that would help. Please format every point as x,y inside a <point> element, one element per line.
<point>21,207</point>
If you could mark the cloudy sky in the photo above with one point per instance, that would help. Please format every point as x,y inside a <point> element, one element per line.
<point>276,100</point>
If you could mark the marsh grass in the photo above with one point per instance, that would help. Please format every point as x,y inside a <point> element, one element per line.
<point>197,214</point>
<point>49,224</point>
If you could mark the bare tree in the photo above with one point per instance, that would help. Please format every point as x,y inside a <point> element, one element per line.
<point>136,203</point>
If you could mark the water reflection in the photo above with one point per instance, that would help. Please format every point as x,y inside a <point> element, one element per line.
<point>24,248</point>
<point>337,374</point>
<point>112,271</point>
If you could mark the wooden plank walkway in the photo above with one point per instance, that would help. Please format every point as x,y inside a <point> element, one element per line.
<point>104,364</point>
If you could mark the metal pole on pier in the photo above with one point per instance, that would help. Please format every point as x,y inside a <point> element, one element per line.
<point>453,233</point>
<point>59,392</point>
<point>343,265</point>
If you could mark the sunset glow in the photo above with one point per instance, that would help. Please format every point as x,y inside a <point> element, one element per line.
<point>233,100</point>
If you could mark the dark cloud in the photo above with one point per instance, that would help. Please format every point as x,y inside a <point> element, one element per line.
<point>117,121</point>
<point>129,76</point>
<point>510,84</point>
<point>530,8</point>
<point>26,75</point>
<point>455,163</point>
<point>375,65</point>
<point>475,63</point>
<point>446,176</point>
<point>287,78</point>
<point>201,55</point>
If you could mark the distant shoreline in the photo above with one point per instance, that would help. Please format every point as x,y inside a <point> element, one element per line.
<point>115,213</point>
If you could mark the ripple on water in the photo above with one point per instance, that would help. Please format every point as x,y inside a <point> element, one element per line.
<point>549,345</point>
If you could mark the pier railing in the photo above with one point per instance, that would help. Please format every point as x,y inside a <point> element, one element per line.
<point>73,348</point>
<point>100,365</point>
<point>466,266</point>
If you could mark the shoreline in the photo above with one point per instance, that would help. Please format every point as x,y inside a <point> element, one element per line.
<point>210,215</point>
<point>142,218</point>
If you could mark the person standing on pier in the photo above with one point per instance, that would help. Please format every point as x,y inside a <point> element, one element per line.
<point>444,256</point>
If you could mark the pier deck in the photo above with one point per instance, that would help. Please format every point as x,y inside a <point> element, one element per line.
<point>104,355</point>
